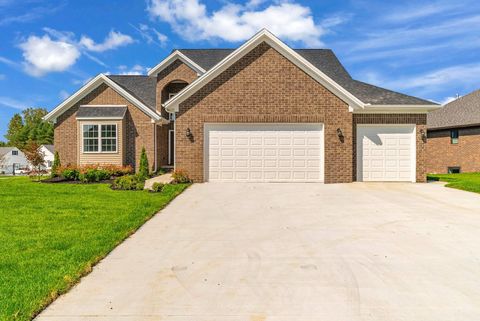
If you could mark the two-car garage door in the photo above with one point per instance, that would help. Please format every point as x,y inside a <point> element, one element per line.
<point>264,152</point>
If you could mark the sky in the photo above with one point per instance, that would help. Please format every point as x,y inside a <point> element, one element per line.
<point>49,49</point>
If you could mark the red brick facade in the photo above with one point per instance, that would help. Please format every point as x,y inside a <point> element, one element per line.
<point>261,87</point>
<point>442,154</point>
<point>139,130</point>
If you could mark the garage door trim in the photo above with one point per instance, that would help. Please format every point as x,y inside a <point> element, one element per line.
<point>359,144</point>
<point>259,126</point>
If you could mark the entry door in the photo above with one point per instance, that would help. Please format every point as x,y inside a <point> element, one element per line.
<point>386,153</point>
<point>264,152</point>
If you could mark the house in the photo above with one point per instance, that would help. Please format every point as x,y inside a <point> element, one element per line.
<point>261,112</point>
<point>12,161</point>
<point>454,136</point>
<point>49,153</point>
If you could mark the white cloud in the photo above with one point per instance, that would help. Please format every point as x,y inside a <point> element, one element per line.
<point>13,103</point>
<point>447,100</point>
<point>63,94</point>
<point>409,13</point>
<point>44,55</point>
<point>232,22</point>
<point>135,70</point>
<point>112,41</point>
<point>151,35</point>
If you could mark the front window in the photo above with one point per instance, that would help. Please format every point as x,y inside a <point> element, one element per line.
<point>15,152</point>
<point>99,138</point>
<point>454,136</point>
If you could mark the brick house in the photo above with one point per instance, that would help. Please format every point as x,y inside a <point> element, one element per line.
<point>261,112</point>
<point>454,136</point>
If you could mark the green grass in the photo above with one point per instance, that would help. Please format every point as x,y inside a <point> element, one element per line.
<point>52,234</point>
<point>465,181</point>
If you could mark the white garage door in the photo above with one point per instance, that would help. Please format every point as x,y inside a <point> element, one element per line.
<point>386,153</point>
<point>264,152</point>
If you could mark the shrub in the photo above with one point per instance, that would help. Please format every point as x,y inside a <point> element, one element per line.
<point>157,187</point>
<point>56,165</point>
<point>70,173</point>
<point>128,182</point>
<point>180,176</point>
<point>94,175</point>
<point>143,171</point>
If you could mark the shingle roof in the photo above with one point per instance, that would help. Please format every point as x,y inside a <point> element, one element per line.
<point>464,111</point>
<point>5,150</point>
<point>141,87</point>
<point>101,112</point>
<point>327,62</point>
<point>50,148</point>
<point>144,87</point>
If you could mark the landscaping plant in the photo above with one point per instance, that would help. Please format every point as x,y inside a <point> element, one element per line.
<point>180,177</point>
<point>143,170</point>
<point>157,187</point>
<point>56,164</point>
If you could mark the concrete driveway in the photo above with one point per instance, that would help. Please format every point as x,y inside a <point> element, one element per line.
<point>307,252</point>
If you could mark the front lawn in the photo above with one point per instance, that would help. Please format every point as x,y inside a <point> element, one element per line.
<point>52,234</point>
<point>466,181</point>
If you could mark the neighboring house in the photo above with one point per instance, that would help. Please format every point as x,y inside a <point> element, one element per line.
<point>261,112</point>
<point>48,152</point>
<point>12,161</point>
<point>454,136</point>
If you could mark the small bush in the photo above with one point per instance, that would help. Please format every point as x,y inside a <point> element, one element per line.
<point>143,170</point>
<point>94,175</point>
<point>128,182</point>
<point>56,165</point>
<point>157,187</point>
<point>180,176</point>
<point>71,174</point>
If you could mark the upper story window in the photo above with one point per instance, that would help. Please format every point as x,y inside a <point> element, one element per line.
<point>171,116</point>
<point>99,138</point>
<point>14,152</point>
<point>454,136</point>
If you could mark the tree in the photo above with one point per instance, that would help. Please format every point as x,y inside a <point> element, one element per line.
<point>3,144</point>
<point>56,164</point>
<point>143,170</point>
<point>15,128</point>
<point>29,127</point>
<point>35,157</point>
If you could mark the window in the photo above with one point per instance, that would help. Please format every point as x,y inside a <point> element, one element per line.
<point>171,116</point>
<point>95,141</point>
<point>454,136</point>
<point>454,170</point>
<point>15,152</point>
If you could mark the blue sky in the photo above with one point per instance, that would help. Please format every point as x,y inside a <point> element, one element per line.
<point>48,49</point>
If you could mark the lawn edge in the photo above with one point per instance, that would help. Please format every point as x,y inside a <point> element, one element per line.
<point>91,264</point>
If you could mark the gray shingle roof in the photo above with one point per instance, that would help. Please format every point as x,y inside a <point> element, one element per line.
<point>327,62</point>
<point>141,87</point>
<point>50,148</point>
<point>462,112</point>
<point>144,87</point>
<point>5,150</point>
<point>101,112</point>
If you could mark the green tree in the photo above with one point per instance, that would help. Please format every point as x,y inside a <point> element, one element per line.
<point>3,144</point>
<point>29,127</point>
<point>15,129</point>
<point>143,171</point>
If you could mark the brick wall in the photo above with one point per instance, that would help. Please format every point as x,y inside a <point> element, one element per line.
<point>139,131</point>
<point>442,154</point>
<point>419,120</point>
<point>265,87</point>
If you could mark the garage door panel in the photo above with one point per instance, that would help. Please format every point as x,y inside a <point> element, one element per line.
<point>264,152</point>
<point>386,153</point>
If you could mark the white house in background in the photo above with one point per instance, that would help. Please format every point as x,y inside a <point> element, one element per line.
<point>49,152</point>
<point>12,161</point>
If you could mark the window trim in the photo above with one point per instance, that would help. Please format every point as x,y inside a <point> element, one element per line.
<point>99,138</point>
<point>452,138</point>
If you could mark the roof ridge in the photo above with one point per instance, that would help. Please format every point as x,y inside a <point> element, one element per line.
<point>463,97</point>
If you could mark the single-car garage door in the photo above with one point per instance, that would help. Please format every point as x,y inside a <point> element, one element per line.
<point>386,153</point>
<point>264,152</point>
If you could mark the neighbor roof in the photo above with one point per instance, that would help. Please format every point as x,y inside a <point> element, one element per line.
<point>101,112</point>
<point>464,111</point>
<point>50,148</point>
<point>5,150</point>
<point>327,62</point>
<point>141,87</point>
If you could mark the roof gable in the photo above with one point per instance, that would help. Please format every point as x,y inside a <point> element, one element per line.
<point>176,55</point>
<point>91,85</point>
<point>287,52</point>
